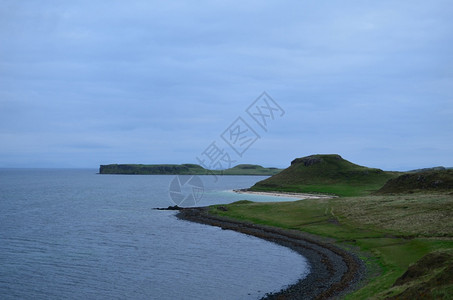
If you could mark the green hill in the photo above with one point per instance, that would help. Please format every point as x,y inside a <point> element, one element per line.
<point>184,169</point>
<point>327,173</point>
<point>428,181</point>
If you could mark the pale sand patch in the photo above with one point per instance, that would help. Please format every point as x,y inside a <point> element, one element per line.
<point>285,194</point>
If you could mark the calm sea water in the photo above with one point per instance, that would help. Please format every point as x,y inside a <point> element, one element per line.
<point>74,234</point>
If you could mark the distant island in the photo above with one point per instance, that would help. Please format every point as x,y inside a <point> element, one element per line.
<point>184,169</point>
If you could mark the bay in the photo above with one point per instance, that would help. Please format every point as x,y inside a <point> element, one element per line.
<point>71,234</point>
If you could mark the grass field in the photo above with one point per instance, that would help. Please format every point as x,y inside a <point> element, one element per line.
<point>392,232</point>
<point>338,189</point>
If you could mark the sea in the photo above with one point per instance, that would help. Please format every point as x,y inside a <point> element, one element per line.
<point>76,234</point>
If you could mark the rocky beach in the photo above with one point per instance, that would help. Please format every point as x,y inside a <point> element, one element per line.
<point>333,270</point>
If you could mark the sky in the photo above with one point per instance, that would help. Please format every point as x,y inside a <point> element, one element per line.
<point>84,83</point>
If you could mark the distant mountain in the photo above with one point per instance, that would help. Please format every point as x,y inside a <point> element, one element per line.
<point>326,173</point>
<point>428,181</point>
<point>184,169</point>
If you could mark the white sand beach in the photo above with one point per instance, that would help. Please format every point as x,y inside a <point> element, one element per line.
<point>285,194</point>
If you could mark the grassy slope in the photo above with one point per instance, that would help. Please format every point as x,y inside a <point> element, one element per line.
<point>427,181</point>
<point>396,230</point>
<point>326,174</point>
<point>185,169</point>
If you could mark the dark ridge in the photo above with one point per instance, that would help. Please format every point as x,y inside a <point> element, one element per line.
<point>440,168</point>
<point>429,181</point>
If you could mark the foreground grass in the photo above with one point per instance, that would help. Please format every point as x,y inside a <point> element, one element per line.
<point>396,230</point>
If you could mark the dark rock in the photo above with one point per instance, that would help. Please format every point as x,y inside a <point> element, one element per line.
<point>437,183</point>
<point>176,207</point>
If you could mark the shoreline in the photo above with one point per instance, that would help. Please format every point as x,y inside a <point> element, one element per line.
<point>284,194</point>
<point>333,271</point>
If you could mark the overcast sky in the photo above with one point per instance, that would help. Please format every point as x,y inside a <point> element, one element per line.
<point>84,83</point>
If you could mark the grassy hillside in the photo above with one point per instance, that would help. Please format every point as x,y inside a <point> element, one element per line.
<point>409,255</point>
<point>185,169</point>
<point>428,181</point>
<point>326,174</point>
<point>401,222</point>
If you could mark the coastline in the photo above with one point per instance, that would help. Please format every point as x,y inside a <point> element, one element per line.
<point>284,194</point>
<point>333,271</point>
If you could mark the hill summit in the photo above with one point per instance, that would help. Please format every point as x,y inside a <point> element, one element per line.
<point>326,173</point>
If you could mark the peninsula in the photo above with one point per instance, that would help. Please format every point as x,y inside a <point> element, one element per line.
<point>185,169</point>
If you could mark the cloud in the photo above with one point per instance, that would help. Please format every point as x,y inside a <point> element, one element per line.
<point>159,81</point>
